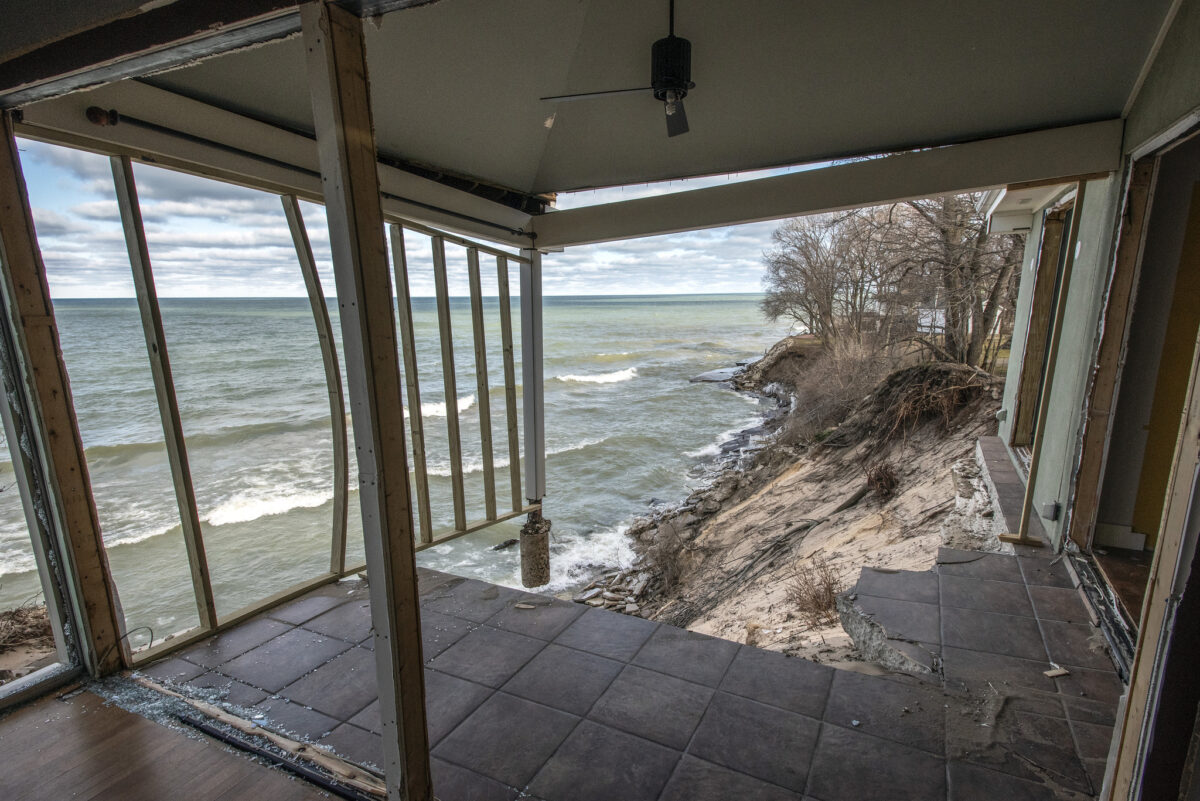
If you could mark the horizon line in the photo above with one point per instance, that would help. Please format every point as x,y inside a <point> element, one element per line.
<point>414,297</point>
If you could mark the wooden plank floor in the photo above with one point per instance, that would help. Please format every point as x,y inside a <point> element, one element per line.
<point>84,749</point>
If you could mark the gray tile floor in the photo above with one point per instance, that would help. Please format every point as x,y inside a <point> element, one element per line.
<point>563,702</point>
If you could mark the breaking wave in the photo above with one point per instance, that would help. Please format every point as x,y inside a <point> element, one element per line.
<point>602,378</point>
<point>244,508</point>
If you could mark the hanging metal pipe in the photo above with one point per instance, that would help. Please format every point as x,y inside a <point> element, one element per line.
<point>535,536</point>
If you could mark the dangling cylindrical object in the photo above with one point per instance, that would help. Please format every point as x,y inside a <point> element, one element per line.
<point>535,551</point>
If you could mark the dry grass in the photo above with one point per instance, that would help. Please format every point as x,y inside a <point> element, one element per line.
<point>932,392</point>
<point>813,589</point>
<point>828,386</point>
<point>25,625</point>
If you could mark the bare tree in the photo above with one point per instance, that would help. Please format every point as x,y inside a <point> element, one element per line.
<point>873,273</point>
<point>828,274</point>
<point>946,239</point>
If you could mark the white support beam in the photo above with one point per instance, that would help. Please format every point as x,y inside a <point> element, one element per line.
<point>532,396</point>
<point>195,137</point>
<point>1053,153</point>
<point>341,99</point>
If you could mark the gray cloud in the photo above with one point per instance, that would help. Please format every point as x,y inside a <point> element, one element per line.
<point>210,238</point>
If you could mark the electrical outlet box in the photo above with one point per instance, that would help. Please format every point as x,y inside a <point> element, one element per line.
<point>1050,510</point>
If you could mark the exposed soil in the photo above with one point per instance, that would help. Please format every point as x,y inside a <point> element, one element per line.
<point>897,479</point>
<point>26,641</point>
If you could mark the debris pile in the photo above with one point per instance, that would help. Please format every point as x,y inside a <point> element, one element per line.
<point>620,591</point>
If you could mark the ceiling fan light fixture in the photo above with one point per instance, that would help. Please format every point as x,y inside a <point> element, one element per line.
<point>671,67</point>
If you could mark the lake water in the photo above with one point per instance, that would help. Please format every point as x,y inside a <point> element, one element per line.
<point>624,427</point>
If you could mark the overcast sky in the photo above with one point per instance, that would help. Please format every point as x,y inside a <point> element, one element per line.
<point>209,239</point>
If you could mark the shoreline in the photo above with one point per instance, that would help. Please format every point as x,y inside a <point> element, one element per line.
<point>726,560</point>
<point>721,475</point>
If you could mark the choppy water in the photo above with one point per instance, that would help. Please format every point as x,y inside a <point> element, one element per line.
<point>623,427</point>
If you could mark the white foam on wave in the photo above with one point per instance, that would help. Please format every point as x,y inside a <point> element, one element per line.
<point>438,408</point>
<point>243,508</point>
<point>476,465</point>
<point>576,556</point>
<point>714,448</point>
<point>602,378</point>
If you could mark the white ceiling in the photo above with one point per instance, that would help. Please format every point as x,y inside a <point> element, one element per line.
<point>456,83</point>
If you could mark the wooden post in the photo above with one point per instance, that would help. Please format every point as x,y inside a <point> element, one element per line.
<point>535,536</point>
<point>333,379</point>
<point>164,388</point>
<point>29,316</point>
<point>482,387</point>
<point>449,382</point>
<point>30,485</point>
<point>510,384</point>
<point>1039,436</point>
<point>341,100</point>
<point>408,343</point>
<point>1033,356</point>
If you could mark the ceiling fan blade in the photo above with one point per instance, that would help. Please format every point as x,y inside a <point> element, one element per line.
<point>677,123</point>
<point>585,95</point>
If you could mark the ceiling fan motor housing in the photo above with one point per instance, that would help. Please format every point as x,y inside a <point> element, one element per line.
<point>671,67</point>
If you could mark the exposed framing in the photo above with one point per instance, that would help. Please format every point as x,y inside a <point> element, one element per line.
<point>1163,593</point>
<point>1037,333</point>
<point>29,315</point>
<point>408,347</point>
<point>337,77</point>
<point>164,389</point>
<point>1114,338</point>
<point>449,381</point>
<point>333,379</point>
<point>482,387</point>
<point>1039,437</point>
<point>510,383</point>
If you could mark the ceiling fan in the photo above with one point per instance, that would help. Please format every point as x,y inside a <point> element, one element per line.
<point>670,78</point>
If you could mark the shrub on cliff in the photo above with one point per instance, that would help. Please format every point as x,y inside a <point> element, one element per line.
<point>828,385</point>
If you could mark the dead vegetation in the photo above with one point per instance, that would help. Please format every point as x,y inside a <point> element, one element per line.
<point>882,479</point>
<point>828,386</point>
<point>25,626</point>
<point>931,392</point>
<point>813,589</point>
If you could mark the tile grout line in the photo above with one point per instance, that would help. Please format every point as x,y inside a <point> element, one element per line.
<point>1057,687</point>
<point>523,790</point>
<point>592,706</point>
<point>820,733</point>
<point>708,706</point>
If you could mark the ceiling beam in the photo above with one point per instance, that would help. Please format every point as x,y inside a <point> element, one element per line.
<point>180,133</point>
<point>161,37</point>
<point>1054,153</point>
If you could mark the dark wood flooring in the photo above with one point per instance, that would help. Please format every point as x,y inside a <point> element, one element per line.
<point>1127,573</point>
<point>83,748</point>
